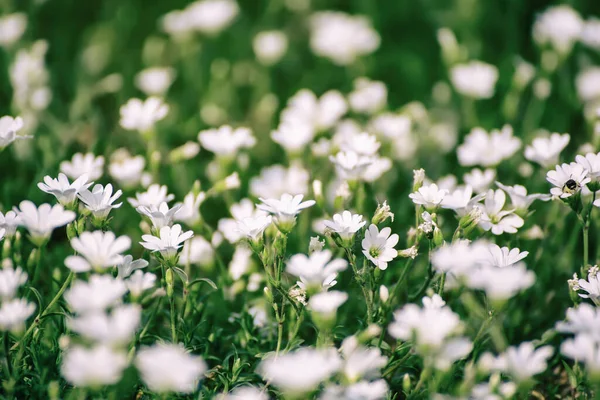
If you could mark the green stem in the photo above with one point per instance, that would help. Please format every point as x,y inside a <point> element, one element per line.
<point>42,314</point>
<point>173,319</point>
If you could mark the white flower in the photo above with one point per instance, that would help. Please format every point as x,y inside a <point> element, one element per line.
<point>155,81</point>
<point>116,328</point>
<point>378,246</point>
<point>211,16</point>
<point>169,368</point>
<point>82,164</point>
<point>98,250</point>
<point>434,301</point>
<point>270,46</point>
<point>591,163</point>
<point>558,27</point>
<point>141,116</point>
<point>487,149</point>
<point>293,135</point>
<point>368,96</point>
<point>350,165</point>
<point>168,242</point>
<point>341,37</point>
<point>9,222</point>
<point>460,200</point>
<point>496,219</point>
<point>14,313</point>
<point>345,225</point>
<point>453,350</point>
<point>197,251</point>
<point>327,303</point>
<point>567,179</point>
<point>10,280</point>
<point>583,348</point>
<point>545,150</point>
<point>502,257</point>
<point>524,361</point>
<point>253,228</point>
<point>474,79</point>
<point>128,265</point>
<point>285,209</point>
<point>100,200</point>
<point>591,287</point>
<point>160,216</point>
<point>101,292</point>
<point>361,143</point>
<point>93,367</point>
<point>429,196</point>
<point>501,283</point>
<point>127,170</point>
<point>363,390</point>
<point>139,282</point>
<point>430,327</point>
<point>244,393</point>
<point>493,390</point>
<point>240,262</point>
<point>300,371</point>
<point>9,127</point>
<point>190,209</point>
<point>460,258</point>
<point>362,362</point>
<point>41,221</point>
<point>590,35</point>
<point>584,319</point>
<point>480,180</point>
<point>276,180</point>
<point>226,141</point>
<point>316,270</point>
<point>153,197</point>
<point>64,191</point>
<point>12,27</point>
<point>519,197</point>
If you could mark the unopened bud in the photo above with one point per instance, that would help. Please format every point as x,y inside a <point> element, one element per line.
<point>382,213</point>
<point>169,281</point>
<point>406,384</point>
<point>384,293</point>
<point>418,179</point>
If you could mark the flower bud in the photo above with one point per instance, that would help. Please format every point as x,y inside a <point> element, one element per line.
<point>384,293</point>
<point>406,384</point>
<point>315,244</point>
<point>382,213</point>
<point>411,252</point>
<point>418,179</point>
<point>169,281</point>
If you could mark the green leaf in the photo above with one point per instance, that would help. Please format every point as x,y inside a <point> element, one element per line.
<point>205,280</point>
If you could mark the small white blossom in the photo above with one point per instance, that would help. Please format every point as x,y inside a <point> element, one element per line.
<point>378,246</point>
<point>155,81</point>
<point>253,228</point>
<point>285,209</point>
<point>98,250</point>
<point>99,201</point>
<point>153,197</point>
<point>269,46</point>
<point>327,303</point>
<point>545,150</point>
<point>350,165</point>
<point>345,225</point>
<point>14,313</point>
<point>127,170</point>
<point>10,281</point>
<point>226,141</point>
<point>480,180</point>
<point>9,222</point>
<point>64,191</point>
<point>128,265</point>
<point>522,362</point>
<point>9,127</point>
<point>558,27</point>
<point>475,79</point>
<point>316,271</point>
<point>82,164</point>
<point>169,241</point>
<point>487,149</point>
<point>94,367</point>
<point>496,219</point>
<point>429,196</point>
<point>116,328</point>
<point>12,28</point>
<point>139,282</point>
<point>567,179</point>
<point>160,216</point>
<point>41,221</point>
<point>141,116</point>
<point>190,208</point>
<point>368,96</point>
<point>101,292</point>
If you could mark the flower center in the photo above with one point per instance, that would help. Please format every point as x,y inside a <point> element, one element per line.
<point>374,252</point>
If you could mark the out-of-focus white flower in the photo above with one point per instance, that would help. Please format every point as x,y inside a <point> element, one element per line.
<point>345,225</point>
<point>316,271</point>
<point>155,81</point>
<point>494,389</point>
<point>270,46</point>
<point>362,143</point>
<point>487,149</point>
<point>368,96</point>
<point>160,216</point>
<point>169,368</point>
<point>197,251</point>
<point>521,362</point>
<point>326,304</point>
<point>99,293</point>
<point>590,287</point>
<point>99,201</point>
<point>362,362</point>
<point>127,170</point>
<point>113,329</point>
<point>299,372</point>
<point>341,37</point>
<point>519,197</point>
<point>391,126</point>
<point>591,163</point>
<point>590,35</point>
<point>29,78</point>
<point>240,262</point>
<point>190,208</point>
<point>244,393</point>
<point>169,241</point>
<point>429,196</point>
<point>9,222</point>
<point>253,228</point>
<point>94,367</point>
<point>9,127</point>
<point>501,284</point>
<point>12,27</point>
<point>588,84</point>
<point>475,79</point>
<point>378,246</point>
<point>545,150</point>
<point>350,165</point>
<point>10,281</point>
<point>582,320</point>
<point>41,221</point>
<point>14,313</point>
<point>585,349</point>
<point>558,27</point>
<point>276,180</point>
<point>139,282</point>
<point>153,197</point>
<point>226,141</point>
<point>480,180</point>
<point>98,250</point>
<point>567,179</point>
<point>364,390</point>
<point>285,209</point>
<point>141,116</point>
<point>496,219</point>
<point>461,200</point>
<point>64,191</point>
<point>128,265</point>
